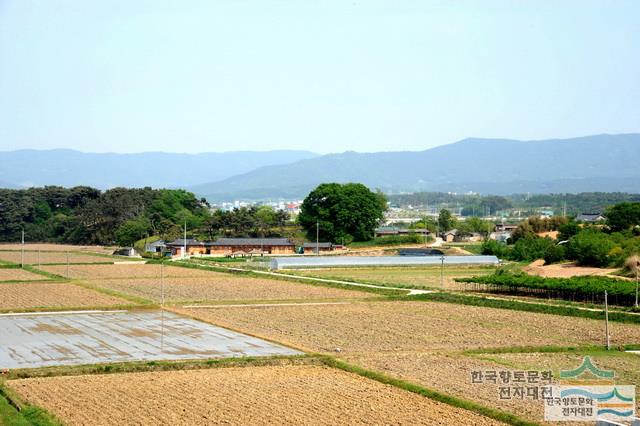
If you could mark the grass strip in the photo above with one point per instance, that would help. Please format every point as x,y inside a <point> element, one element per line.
<point>289,278</point>
<point>37,309</point>
<point>49,275</point>
<point>131,298</point>
<point>155,366</point>
<point>520,306</point>
<point>15,412</point>
<point>429,393</point>
<point>539,349</point>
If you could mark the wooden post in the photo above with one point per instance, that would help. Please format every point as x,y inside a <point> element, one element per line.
<point>606,319</point>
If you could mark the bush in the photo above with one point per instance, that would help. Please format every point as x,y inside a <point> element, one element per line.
<point>531,248</point>
<point>586,288</point>
<point>590,248</point>
<point>494,248</point>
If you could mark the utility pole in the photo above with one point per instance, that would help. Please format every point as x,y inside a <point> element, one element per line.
<point>606,319</point>
<point>184,241</point>
<point>162,283</point>
<point>317,238</point>
<point>22,252</point>
<point>637,267</point>
<point>442,272</point>
<point>162,306</point>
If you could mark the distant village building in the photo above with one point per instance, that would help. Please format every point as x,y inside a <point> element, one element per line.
<point>155,247</point>
<point>392,230</point>
<point>320,247</point>
<point>193,246</point>
<point>449,236</point>
<point>250,246</point>
<point>126,251</point>
<point>500,236</point>
<point>590,217</point>
<point>503,227</point>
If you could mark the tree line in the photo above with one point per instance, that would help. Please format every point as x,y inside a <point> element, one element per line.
<point>122,216</point>
<point>590,244</point>
<point>85,215</point>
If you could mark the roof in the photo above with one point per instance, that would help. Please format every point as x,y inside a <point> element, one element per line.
<point>157,243</point>
<point>321,245</point>
<point>181,242</point>
<point>587,217</point>
<point>251,242</point>
<point>451,232</point>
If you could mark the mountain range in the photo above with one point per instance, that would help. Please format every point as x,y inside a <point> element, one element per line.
<point>64,167</point>
<point>490,166</point>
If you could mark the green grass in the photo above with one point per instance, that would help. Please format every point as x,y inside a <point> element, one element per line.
<point>28,415</point>
<point>288,278</point>
<point>43,273</point>
<point>522,306</point>
<point>392,240</point>
<point>404,277</point>
<point>149,366</point>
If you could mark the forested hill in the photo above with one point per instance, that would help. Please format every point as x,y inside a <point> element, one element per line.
<point>64,167</point>
<point>86,215</point>
<point>490,166</point>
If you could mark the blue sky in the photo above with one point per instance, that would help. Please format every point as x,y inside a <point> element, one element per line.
<point>326,76</point>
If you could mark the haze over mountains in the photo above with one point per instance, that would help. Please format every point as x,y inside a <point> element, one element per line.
<point>490,166</point>
<point>64,167</point>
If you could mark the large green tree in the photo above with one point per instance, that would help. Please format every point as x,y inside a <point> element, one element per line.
<point>623,216</point>
<point>446,221</point>
<point>343,212</point>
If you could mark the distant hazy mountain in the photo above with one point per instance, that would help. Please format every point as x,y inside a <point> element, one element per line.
<point>69,168</point>
<point>497,166</point>
<point>7,185</point>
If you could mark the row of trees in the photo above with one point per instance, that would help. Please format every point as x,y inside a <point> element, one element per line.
<point>84,215</point>
<point>607,244</point>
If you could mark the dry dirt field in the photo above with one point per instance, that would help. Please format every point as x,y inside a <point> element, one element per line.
<point>625,365</point>
<point>57,247</point>
<point>450,372</point>
<point>420,341</point>
<point>53,295</point>
<point>410,326</point>
<point>35,258</point>
<point>245,395</point>
<point>405,276</point>
<point>225,287</point>
<point>127,270</point>
<point>14,274</point>
<point>564,270</point>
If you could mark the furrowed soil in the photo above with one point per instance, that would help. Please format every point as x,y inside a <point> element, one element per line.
<point>247,395</point>
<point>421,342</point>
<point>222,287</point>
<point>35,258</point>
<point>14,274</point>
<point>626,366</point>
<point>126,270</point>
<point>450,372</point>
<point>57,247</point>
<point>53,295</point>
<point>405,326</point>
<point>428,277</point>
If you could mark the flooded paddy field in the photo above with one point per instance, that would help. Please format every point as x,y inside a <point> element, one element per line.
<point>43,340</point>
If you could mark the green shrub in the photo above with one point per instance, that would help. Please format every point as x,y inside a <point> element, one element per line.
<point>590,248</point>
<point>585,288</point>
